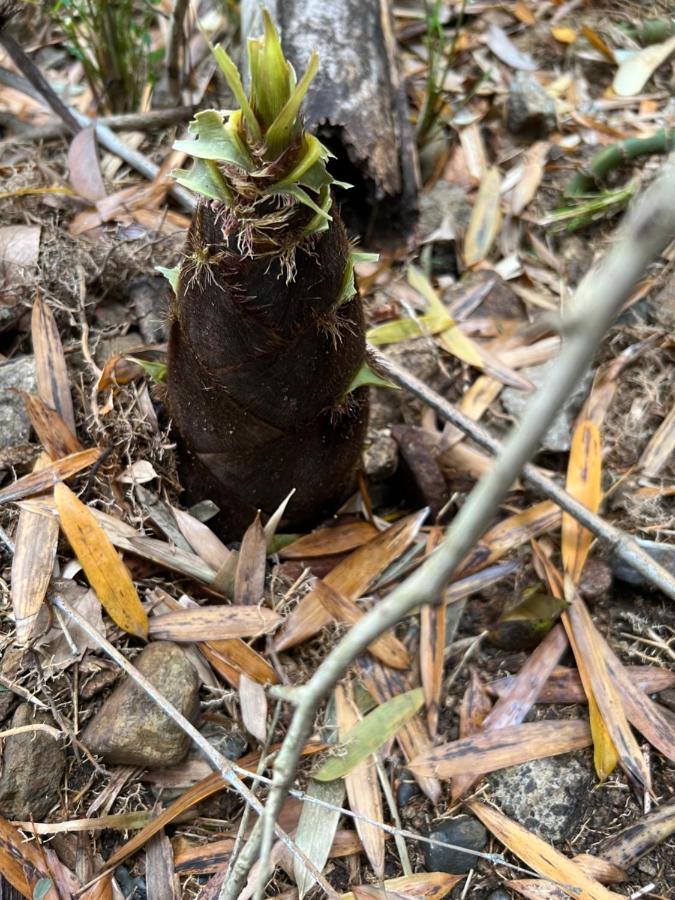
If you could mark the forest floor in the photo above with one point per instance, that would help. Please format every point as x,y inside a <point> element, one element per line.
<point>526,104</point>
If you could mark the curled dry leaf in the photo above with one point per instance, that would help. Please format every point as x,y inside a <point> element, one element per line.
<point>43,479</point>
<point>50,363</point>
<point>85,174</point>
<point>105,571</point>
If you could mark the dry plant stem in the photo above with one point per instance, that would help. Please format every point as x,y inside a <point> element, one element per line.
<point>622,544</point>
<point>222,765</point>
<point>105,136</point>
<point>648,229</point>
<point>174,45</point>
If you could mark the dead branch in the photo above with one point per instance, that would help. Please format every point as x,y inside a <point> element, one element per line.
<point>647,231</point>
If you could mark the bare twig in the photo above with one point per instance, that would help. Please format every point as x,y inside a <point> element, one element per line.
<point>648,230</point>
<point>622,544</point>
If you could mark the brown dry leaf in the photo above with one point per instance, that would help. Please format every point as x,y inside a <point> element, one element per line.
<point>564,685</point>
<point>202,540</point>
<point>475,705</point>
<point>351,578</point>
<point>601,869</point>
<point>253,704</point>
<point>102,890</point>
<point>536,889</point>
<point>659,450</point>
<point>431,885</point>
<point>52,430</point>
<point>596,41</point>
<point>83,166</point>
<point>487,751</point>
<point>432,660</point>
<point>526,189</point>
<point>584,483</point>
<point>635,841</point>
<point>331,540</point>
<point>22,862</point>
<point>42,480</point>
<point>105,571</point>
<point>539,855</point>
<point>160,876</point>
<point>363,790</point>
<point>19,252</point>
<point>485,219</point>
<point>36,543</point>
<point>588,649</point>
<point>213,623</point>
<point>244,660</point>
<point>53,384</point>
<point>523,13</point>
<point>249,580</point>
<point>387,648</point>
<point>512,532</point>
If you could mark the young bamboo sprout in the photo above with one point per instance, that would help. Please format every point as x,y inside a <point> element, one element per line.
<point>267,342</point>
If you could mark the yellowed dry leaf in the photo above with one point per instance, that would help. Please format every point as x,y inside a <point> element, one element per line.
<point>105,571</point>
<point>485,219</point>
<point>213,623</point>
<point>584,483</point>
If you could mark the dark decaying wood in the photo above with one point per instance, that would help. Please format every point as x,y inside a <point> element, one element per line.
<point>357,105</point>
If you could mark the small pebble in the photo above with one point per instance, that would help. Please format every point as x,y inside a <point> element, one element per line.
<point>407,790</point>
<point>464,831</point>
<point>499,894</point>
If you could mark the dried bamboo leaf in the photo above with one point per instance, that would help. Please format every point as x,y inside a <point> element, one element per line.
<point>387,648</point>
<point>589,648</point>
<point>475,706</point>
<point>430,885</point>
<point>45,479</point>
<point>511,709</point>
<point>105,571</point>
<point>584,483</point>
<point>659,450</point>
<point>539,855</point>
<point>564,685</point>
<point>350,578</point>
<point>536,889</point>
<point>526,189</point>
<point>52,430</point>
<point>160,877</point>
<point>218,623</point>
<point>488,751</point>
<point>432,660</point>
<point>485,219</point>
<point>253,703</point>
<point>22,863</point>
<point>36,543</point>
<point>368,735</point>
<point>363,790</point>
<point>202,540</point>
<point>632,843</point>
<point>600,869</point>
<point>316,830</point>
<point>331,540</point>
<point>634,72</point>
<point>249,580</point>
<point>50,363</point>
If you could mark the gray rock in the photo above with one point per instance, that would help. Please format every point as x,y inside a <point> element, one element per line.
<point>530,110</point>
<point>380,454</point>
<point>32,768</point>
<point>546,796</point>
<point>663,553</point>
<point>558,436</point>
<point>150,297</point>
<point>130,729</point>
<point>499,894</point>
<point>464,831</point>
<point>15,375</point>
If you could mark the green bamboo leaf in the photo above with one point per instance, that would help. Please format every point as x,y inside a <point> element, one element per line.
<point>280,131</point>
<point>215,141</point>
<point>156,370</point>
<point>272,78</point>
<point>202,180</point>
<point>370,733</point>
<point>301,196</point>
<point>231,73</point>
<point>405,329</point>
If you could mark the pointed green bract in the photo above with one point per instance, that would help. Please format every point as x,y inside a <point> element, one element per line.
<point>257,160</point>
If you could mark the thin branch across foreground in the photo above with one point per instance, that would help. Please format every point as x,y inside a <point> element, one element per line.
<point>647,231</point>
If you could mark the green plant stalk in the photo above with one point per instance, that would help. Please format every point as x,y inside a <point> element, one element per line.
<point>267,334</point>
<point>651,31</point>
<point>612,157</point>
<point>433,99</point>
